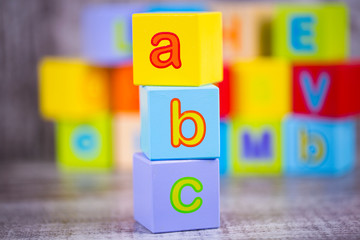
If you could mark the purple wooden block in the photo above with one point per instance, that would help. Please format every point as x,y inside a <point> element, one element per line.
<point>176,195</point>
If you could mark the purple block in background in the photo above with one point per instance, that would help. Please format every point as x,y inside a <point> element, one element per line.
<point>153,183</point>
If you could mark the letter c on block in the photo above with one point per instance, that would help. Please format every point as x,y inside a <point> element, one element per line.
<point>175,195</point>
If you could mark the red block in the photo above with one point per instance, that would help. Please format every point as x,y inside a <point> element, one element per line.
<point>329,90</point>
<point>224,92</point>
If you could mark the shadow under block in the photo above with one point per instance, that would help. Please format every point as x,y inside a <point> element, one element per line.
<point>126,137</point>
<point>245,26</point>
<point>330,90</point>
<point>106,33</point>
<point>180,122</point>
<point>84,145</point>
<point>319,146</point>
<point>311,32</point>
<point>261,88</point>
<point>123,94</point>
<point>256,146</point>
<point>71,89</point>
<point>176,195</point>
<point>224,147</point>
<point>177,49</point>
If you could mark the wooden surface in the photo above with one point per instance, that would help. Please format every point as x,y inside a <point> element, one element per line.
<point>38,203</point>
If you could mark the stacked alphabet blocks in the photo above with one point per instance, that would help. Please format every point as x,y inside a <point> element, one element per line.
<point>176,177</point>
<point>75,95</point>
<point>319,136</point>
<point>289,58</point>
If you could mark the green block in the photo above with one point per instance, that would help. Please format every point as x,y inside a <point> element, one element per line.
<point>311,32</point>
<point>256,146</point>
<point>84,145</point>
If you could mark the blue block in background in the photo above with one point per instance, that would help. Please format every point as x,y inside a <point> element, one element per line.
<point>318,146</point>
<point>176,195</point>
<point>156,130</point>
<point>224,147</point>
<point>106,32</point>
<point>177,7</point>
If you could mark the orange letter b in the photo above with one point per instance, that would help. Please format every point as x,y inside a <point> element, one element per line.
<point>173,48</point>
<point>176,120</point>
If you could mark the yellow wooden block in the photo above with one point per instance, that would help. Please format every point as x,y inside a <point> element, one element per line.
<point>246,29</point>
<point>71,89</point>
<point>261,88</point>
<point>126,139</point>
<point>177,49</point>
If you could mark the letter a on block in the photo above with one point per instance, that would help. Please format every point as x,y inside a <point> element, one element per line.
<point>173,49</point>
<point>314,95</point>
<point>177,119</point>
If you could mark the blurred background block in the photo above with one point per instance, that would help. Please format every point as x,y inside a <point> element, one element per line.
<point>84,145</point>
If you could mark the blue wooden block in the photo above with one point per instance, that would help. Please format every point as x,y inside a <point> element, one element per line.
<point>318,146</point>
<point>177,7</point>
<point>180,122</point>
<point>224,147</point>
<point>176,195</point>
<point>106,32</point>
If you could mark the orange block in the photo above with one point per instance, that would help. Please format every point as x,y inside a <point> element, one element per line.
<point>124,95</point>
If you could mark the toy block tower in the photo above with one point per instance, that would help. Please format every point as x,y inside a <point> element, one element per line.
<point>261,99</point>
<point>319,134</point>
<point>177,57</point>
<point>75,95</point>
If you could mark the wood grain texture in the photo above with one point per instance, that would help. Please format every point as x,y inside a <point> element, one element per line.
<point>38,203</point>
<point>30,30</point>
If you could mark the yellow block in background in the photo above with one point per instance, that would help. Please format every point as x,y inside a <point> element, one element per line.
<point>126,136</point>
<point>246,29</point>
<point>261,88</point>
<point>177,49</point>
<point>70,89</point>
<point>256,146</point>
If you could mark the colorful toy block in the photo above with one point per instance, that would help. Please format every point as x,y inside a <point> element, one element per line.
<point>326,89</point>
<point>261,88</point>
<point>180,122</point>
<point>245,28</point>
<point>124,95</point>
<point>256,146</point>
<point>225,93</point>
<point>126,135</point>
<point>176,7</point>
<point>319,146</point>
<point>182,49</point>
<point>311,32</point>
<point>176,195</point>
<point>71,89</point>
<point>224,147</point>
<point>106,32</point>
<point>84,145</point>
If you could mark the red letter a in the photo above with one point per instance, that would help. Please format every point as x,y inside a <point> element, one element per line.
<point>173,48</point>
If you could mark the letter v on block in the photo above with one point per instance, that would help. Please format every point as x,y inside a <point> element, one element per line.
<point>314,94</point>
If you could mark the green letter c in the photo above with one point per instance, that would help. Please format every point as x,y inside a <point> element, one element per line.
<point>175,195</point>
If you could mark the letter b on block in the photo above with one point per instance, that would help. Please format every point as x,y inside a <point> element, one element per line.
<point>180,122</point>
<point>182,49</point>
<point>178,118</point>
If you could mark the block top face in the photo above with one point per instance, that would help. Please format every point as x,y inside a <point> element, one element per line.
<point>177,49</point>
<point>309,32</point>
